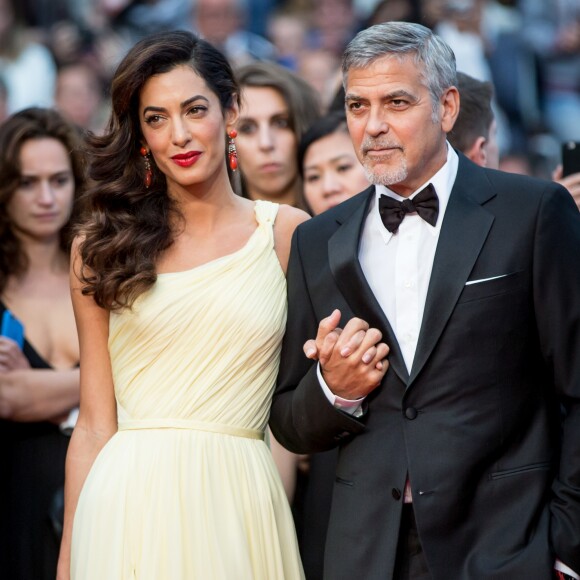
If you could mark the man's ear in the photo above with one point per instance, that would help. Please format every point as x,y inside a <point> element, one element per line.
<point>477,152</point>
<point>450,108</point>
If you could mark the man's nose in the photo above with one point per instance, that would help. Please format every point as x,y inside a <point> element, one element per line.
<point>377,123</point>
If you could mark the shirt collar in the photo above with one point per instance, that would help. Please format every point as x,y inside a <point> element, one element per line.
<point>442,181</point>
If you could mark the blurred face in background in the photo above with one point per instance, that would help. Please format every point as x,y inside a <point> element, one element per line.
<point>42,203</point>
<point>267,146</point>
<point>6,16</point>
<point>78,95</point>
<point>332,172</point>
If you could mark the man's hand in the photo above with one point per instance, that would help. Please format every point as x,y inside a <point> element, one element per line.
<point>353,359</point>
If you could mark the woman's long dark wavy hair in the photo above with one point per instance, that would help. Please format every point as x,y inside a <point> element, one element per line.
<point>128,225</point>
<point>27,124</point>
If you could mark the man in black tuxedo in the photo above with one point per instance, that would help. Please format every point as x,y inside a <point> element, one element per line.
<point>460,458</point>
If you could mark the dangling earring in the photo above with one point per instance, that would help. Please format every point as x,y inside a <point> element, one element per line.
<point>148,173</point>
<point>232,153</point>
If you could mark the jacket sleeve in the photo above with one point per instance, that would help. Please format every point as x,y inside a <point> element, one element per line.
<point>556,279</point>
<point>302,419</point>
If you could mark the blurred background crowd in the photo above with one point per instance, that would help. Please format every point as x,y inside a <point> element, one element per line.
<point>63,52</point>
<point>293,147</point>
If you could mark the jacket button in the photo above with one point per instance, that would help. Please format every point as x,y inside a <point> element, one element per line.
<point>396,493</point>
<point>411,413</point>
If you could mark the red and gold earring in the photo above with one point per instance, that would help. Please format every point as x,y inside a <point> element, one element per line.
<point>232,153</point>
<point>148,172</point>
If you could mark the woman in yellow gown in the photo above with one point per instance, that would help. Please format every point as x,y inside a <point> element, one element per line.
<point>179,294</point>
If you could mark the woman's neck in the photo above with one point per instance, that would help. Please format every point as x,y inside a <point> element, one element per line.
<point>288,196</point>
<point>45,256</point>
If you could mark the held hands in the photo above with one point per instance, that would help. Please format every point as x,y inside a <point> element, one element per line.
<point>352,360</point>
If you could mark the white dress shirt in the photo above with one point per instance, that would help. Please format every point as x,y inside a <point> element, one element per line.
<point>398,266</point>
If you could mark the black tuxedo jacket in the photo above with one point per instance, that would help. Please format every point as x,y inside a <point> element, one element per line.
<point>487,424</point>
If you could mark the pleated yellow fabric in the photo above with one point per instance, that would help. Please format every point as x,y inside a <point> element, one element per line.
<point>187,489</point>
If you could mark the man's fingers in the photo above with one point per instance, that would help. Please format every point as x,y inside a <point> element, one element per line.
<point>380,359</point>
<point>353,327</point>
<point>327,325</point>
<point>352,343</point>
<point>375,353</point>
<point>327,347</point>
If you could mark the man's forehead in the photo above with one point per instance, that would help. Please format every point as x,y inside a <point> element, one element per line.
<point>380,73</point>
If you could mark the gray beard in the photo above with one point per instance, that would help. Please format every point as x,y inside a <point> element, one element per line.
<point>385,176</point>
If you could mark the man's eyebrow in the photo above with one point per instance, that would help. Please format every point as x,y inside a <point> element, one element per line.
<point>400,93</point>
<point>388,96</point>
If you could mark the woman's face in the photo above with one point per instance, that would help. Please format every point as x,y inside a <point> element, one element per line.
<point>184,128</point>
<point>266,145</point>
<point>42,203</point>
<point>332,172</point>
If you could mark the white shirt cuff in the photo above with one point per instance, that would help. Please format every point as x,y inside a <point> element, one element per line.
<point>560,566</point>
<point>352,407</point>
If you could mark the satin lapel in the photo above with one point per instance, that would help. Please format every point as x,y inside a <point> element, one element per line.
<point>464,230</point>
<point>345,266</point>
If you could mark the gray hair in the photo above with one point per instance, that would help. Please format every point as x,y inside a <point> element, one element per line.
<point>400,39</point>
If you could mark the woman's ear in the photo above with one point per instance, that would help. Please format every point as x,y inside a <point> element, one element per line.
<point>232,114</point>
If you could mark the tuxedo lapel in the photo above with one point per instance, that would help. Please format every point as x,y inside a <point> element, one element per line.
<point>343,249</point>
<point>465,227</point>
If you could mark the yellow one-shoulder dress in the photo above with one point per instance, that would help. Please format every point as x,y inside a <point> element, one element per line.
<point>187,489</point>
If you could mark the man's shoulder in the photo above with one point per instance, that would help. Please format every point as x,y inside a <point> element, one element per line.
<point>485,183</point>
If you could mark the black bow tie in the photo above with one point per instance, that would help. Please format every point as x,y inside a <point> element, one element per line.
<point>425,203</point>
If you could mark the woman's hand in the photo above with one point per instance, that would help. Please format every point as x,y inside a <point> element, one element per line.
<point>11,357</point>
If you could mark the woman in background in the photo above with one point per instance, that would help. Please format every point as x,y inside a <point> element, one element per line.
<point>277,107</point>
<point>328,164</point>
<point>41,174</point>
<point>27,67</point>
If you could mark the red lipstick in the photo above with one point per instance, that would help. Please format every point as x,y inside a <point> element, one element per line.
<point>186,159</point>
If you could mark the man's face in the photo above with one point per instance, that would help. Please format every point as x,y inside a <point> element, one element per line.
<point>398,137</point>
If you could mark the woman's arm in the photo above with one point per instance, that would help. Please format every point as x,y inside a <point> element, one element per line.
<point>288,219</point>
<point>38,394</point>
<point>97,420</point>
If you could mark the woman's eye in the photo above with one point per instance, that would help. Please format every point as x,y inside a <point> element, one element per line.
<point>246,128</point>
<point>26,183</point>
<point>152,119</point>
<point>62,180</point>
<point>282,123</point>
<point>311,178</point>
<point>197,110</point>
<point>343,168</point>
